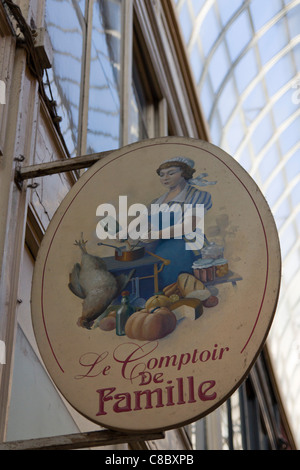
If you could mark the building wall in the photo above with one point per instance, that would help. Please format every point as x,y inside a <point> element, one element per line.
<point>35,130</point>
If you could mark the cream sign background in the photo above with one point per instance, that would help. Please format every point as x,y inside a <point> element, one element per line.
<point>130,384</point>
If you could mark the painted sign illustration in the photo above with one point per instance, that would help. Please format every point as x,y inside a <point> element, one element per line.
<point>165,263</point>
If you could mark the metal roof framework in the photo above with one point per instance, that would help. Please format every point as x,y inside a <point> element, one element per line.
<point>263,135</point>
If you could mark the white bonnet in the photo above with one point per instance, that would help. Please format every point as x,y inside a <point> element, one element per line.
<point>187,161</point>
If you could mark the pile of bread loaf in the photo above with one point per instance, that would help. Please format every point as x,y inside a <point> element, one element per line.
<point>184,299</point>
<point>188,286</point>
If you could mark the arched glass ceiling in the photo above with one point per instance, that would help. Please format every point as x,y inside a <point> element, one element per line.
<point>245,56</point>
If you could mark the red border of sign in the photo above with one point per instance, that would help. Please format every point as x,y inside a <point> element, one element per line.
<point>121,156</point>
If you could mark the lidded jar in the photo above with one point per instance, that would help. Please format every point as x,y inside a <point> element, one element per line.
<point>212,251</point>
<point>204,269</point>
<point>221,267</point>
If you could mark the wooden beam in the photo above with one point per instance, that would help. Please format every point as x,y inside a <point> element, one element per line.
<point>60,166</point>
<point>80,441</point>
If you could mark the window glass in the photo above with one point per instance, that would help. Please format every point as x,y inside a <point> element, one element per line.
<point>254,103</point>
<point>225,419</point>
<point>293,18</point>
<point>273,41</point>
<point>283,108</point>
<point>289,270</point>
<point>64,25</point>
<point>280,74</point>
<point>196,62</point>
<point>296,55</point>
<point>227,101</point>
<point>236,421</point>
<point>197,5</point>
<point>219,66</point>
<point>275,189</point>
<point>295,194</point>
<point>207,97</point>
<point>246,70</point>
<point>263,133</point>
<point>81,4</point>
<point>186,22</point>
<point>210,31</point>
<point>292,167</point>
<point>228,8</point>
<point>245,159</point>
<point>290,136</point>
<point>216,130</point>
<point>137,109</point>
<point>282,214</point>
<point>240,29</point>
<point>292,368</point>
<point>262,12</point>
<point>104,90</point>
<point>269,163</point>
<point>298,225</point>
<point>235,134</point>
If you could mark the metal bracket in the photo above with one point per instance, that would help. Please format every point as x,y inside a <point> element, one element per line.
<point>81,441</point>
<point>51,168</point>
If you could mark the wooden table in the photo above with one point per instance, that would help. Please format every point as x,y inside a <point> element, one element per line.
<point>149,259</point>
<point>229,277</point>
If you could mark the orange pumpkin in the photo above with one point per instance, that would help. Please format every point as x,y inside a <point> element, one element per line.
<point>148,325</point>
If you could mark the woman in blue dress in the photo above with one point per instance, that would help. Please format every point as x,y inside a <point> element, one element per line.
<point>181,202</point>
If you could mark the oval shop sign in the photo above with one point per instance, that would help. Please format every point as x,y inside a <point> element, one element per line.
<point>156,284</point>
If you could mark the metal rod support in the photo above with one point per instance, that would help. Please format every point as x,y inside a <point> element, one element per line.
<point>80,441</point>
<point>61,166</point>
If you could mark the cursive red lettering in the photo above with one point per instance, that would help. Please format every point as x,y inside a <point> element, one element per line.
<point>133,364</point>
<point>204,387</point>
<point>91,361</point>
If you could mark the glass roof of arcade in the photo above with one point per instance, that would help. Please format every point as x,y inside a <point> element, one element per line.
<point>245,56</point>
